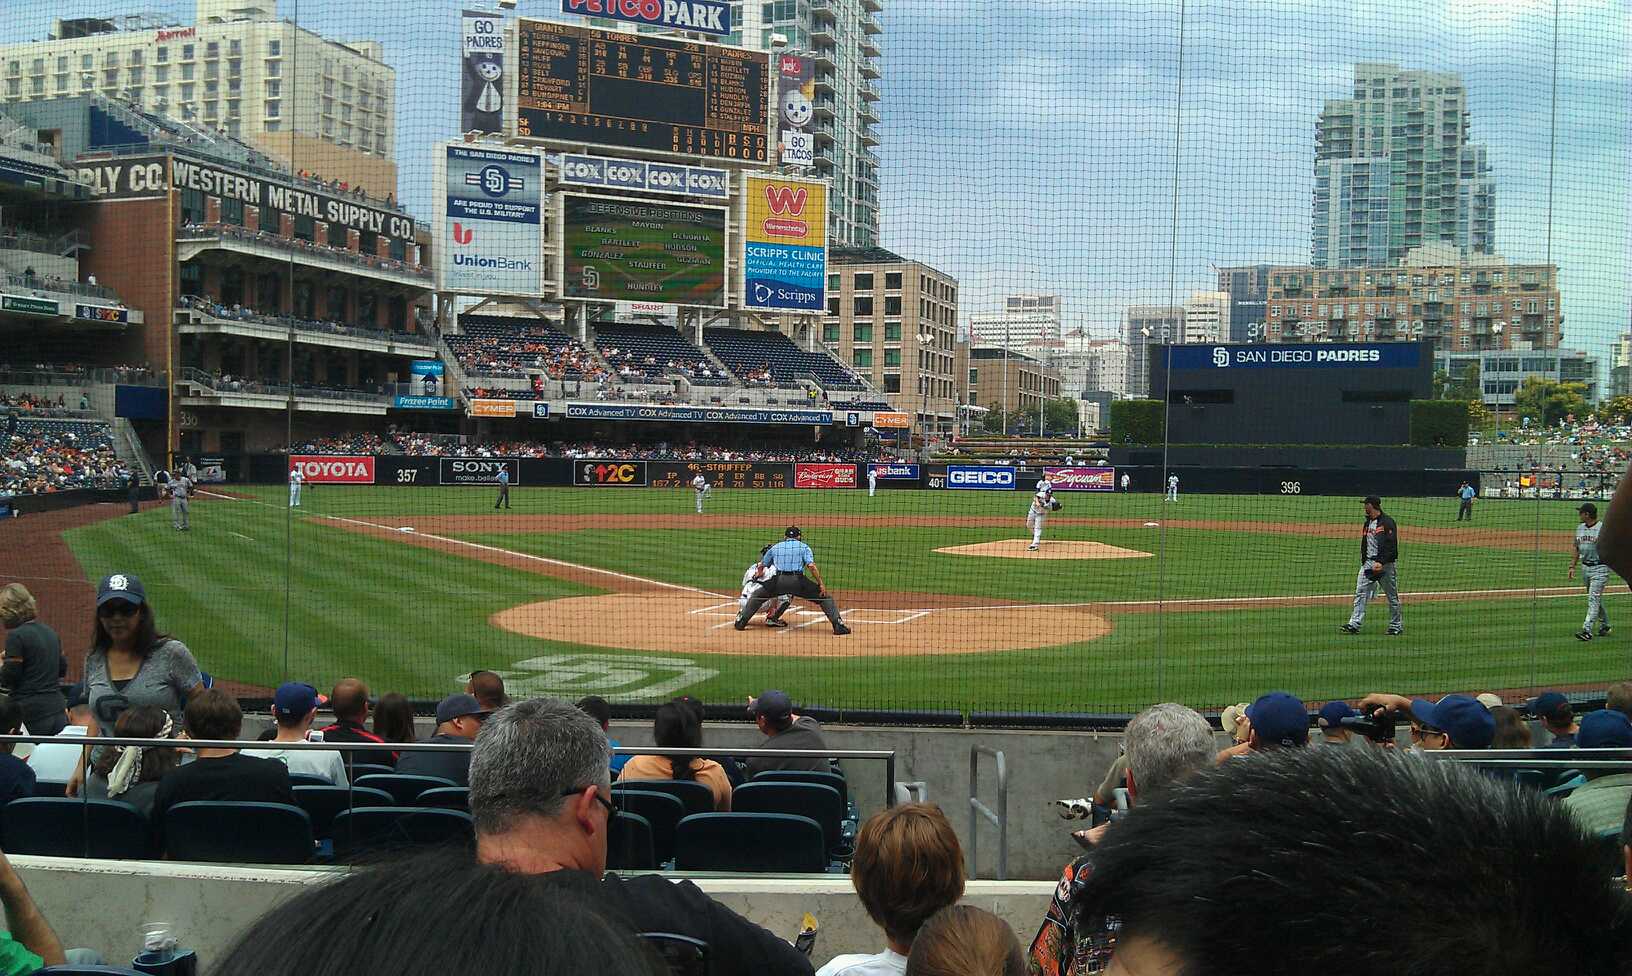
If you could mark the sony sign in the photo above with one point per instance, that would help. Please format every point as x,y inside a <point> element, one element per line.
<point>478,471</point>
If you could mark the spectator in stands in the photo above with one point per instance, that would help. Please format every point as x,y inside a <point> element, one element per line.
<point>458,719</point>
<point>907,867</point>
<point>733,769</point>
<point>33,668</point>
<point>1164,743</point>
<point>1234,721</point>
<point>393,722</point>
<point>965,941</point>
<point>676,727</point>
<point>54,762</point>
<point>1599,802</point>
<point>1619,698</point>
<point>1512,731</point>
<point>481,921</point>
<point>1277,720</point>
<point>600,710</point>
<point>1332,730</point>
<point>16,777</point>
<point>131,663</point>
<point>1454,722</point>
<point>539,788</point>
<point>349,702</point>
<point>488,689</point>
<point>773,713</point>
<point>1557,717</point>
<point>220,773</point>
<point>131,774</point>
<point>294,709</point>
<point>29,944</point>
<point>1260,836</point>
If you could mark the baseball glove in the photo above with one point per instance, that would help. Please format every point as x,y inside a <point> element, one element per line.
<point>1054,505</point>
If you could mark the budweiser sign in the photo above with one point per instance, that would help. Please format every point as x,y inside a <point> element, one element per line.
<point>824,476</point>
<point>319,469</point>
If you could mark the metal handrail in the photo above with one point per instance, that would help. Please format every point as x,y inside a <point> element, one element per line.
<point>999,818</point>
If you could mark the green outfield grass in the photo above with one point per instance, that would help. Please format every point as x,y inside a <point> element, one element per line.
<point>413,620</point>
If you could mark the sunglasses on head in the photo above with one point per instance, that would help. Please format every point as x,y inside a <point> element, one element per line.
<point>118,608</point>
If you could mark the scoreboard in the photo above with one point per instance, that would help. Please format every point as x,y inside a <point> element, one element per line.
<point>586,86</point>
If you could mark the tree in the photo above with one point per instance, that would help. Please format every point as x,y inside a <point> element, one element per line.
<point>1478,415</point>
<point>1466,386</point>
<point>1060,416</point>
<point>1547,401</point>
<point>992,420</point>
<point>1615,410</point>
<point>1442,382</point>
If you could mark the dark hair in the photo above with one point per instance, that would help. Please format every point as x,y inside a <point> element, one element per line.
<point>381,921</point>
<point>394,718</point>
<point>141,722</point>
<point>676,725</point>
<point>213,714</point>
<point>350,699</point>
<point>488,688</point>
<point>1512,732</point>
<point>596,708</point>
<point>907,867</point>
<point>11,715</point>
<point>1374,502</point>
<point>1290,824</point>
<point>1560,717</point>
<point>696,706</point>
<point>965,941</point>
<point>148,637</point>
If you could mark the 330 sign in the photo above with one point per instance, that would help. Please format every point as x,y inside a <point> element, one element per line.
<point>609,474</point>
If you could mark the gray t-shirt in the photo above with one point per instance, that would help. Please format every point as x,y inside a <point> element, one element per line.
<point>1371,539</point>
<point>806,733</point>
<point>164,679</point>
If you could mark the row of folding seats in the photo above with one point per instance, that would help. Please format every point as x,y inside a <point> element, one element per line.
<point>635,342</point>
<point>748,352</point>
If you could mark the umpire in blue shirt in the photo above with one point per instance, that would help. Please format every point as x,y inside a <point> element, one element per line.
<point>791,557</point>
<point>504,487</point>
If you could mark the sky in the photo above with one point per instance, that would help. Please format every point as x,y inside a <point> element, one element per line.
<point>1115,152</point>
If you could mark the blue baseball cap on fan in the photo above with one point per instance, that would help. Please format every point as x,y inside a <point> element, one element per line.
<point>1333,713</point>
<point>1280,718</point>
<point>294,699</point>
<point>1469,723</point>
<point>1604,729</point>
<point>121,586</point>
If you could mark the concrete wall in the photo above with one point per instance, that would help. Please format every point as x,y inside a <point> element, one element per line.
<point>103,904</point>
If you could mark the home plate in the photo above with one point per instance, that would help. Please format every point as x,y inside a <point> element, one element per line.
<point>1064,549</point>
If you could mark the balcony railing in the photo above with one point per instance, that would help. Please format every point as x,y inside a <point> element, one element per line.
<point>226,385</point>
<point>231,232</point>
<point>239,314</point>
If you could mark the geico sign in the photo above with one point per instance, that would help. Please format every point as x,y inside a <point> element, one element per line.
<point>980,478</point>
<point>335,470</point>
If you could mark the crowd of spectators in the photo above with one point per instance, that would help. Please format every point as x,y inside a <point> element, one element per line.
<point>40,405</point>
<point>446,445</point>
<point>330,252</point>
<point>342,188</point>
<point>57,456</point>
<point>631,365</point>
<point>361,443</point>
<point>524,348</point>
<point>244,313</point>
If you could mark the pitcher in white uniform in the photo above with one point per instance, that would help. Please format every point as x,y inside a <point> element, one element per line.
<point>1041,504</point>
<point>1595,572</point>
<point>296,479</point>
<point>700,485</point>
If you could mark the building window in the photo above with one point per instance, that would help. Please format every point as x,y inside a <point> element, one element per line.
<point>862,357</point>
<point>212,69</point>
<point>186,52</point>
<point>863,333</point>
<point>892,305</point>
<point>274,48</point>
<point>864,281</point>
<point>161,73</point>
<point>833,305</point>
<point>274,89</point>
<point>830,332</point>
<point>892,331</point>
<point>271,125</point>
<point>864,304</point>
<point>14,87</point>
<point>187,92</point>
<point>305,228</point>
<point>110,77</point>
<point>273,109</point>
<point>163,55</point>
<point>232,211</point>
<point>212,49</point>
<point>37,86</point>
<point>186,72</point>
<point>274,69</point>
<point>832,282</point>
<point>892,357</point>
<point>892,280</point>
<point>192,206</point>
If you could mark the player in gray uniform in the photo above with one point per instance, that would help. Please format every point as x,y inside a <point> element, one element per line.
<point>1379,551</point>
<point>181,490</point>
<point>1593,570</point>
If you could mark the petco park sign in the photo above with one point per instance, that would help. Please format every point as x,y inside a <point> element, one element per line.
<point>979,477</point>
<point>702,16</point>
<point>318,469</point>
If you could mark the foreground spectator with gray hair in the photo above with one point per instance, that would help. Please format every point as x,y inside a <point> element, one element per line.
<point>540,790</point>
<point>1164,744</point>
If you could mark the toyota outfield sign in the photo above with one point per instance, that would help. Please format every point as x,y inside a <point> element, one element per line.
<point>331,470</point>
<point>478,471</point>
<point>980,477</point>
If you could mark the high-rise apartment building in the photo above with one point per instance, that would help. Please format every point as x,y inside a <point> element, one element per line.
<point>1142,327</point>
<point>325,107</point>
<point>1207,317</point>
<point>1395,170</point>
<point>1248,288</point>
<point>1086,365</point>
<point>1025,319</point>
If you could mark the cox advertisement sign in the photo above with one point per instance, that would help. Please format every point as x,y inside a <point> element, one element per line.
<point>321,470</point>
<point>784,258</point>
<point>1081,479</point>
<point>489,221</point>
<point>896,472</point>
<point>609,474</point>
<point>980,477</point>
<point>824,475</point>
<point>478,471</point>
<point>629,174</point>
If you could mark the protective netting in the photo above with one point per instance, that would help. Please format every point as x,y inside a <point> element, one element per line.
<point>500,285</point>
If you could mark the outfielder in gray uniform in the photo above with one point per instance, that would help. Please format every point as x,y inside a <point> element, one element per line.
<point>1379,551</point>
<point>1594,571</point>
<point>181,488</point>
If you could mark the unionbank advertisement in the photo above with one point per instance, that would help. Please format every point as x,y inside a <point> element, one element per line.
<point>621,250</point>
<point>490,222</point>
<point>784,261</point>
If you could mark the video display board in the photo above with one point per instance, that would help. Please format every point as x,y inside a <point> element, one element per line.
<point>592,87</point>
<point>622,250</point>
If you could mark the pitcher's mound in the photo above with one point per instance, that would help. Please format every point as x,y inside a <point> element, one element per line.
<point>1064,549</point>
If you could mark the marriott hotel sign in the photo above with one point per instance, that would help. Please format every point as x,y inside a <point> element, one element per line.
<point>154,176</point>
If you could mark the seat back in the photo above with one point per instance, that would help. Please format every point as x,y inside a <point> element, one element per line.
<point>46,787</point>
<point>835,780</point>
<point>324,803</point>
<point>1531,778</point>
<point>662,811</point>
<point>820,803</point>
<point>682,954</point>
<point>696,797</point>
<point>405,790</point>
<point>373,829</point>
<point>64,827</point>
<point>252,833</point>
<point>308,779</point>
<point>446,798</point>
<point>356,769</point>
<point>629,844</point>
<point>754,842</point>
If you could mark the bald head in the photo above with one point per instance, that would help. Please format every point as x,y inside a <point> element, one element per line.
<point>350,700</point>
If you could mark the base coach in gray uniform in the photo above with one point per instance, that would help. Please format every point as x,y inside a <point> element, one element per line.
<point>1592,570</point>
<point>789,558</point>
<point>1379,550</point>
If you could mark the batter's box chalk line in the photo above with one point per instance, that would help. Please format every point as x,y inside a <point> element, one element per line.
<point>855,615</point>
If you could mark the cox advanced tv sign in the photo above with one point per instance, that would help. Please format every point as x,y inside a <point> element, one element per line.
<point>979,477</point>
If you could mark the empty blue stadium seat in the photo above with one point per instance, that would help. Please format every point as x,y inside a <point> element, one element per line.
<point>361,768</point>
<point>308,779</point>
<point>69,827</point>
<point>819,802</point>
<point>752,842</point>
<point>249,833</point>
<point>445,798</point>
<point>697,797</point>
<point>632,345</point>
<point>629,844</point>
<point>747,352</point>
<point>662,812</point>
<point>323,803</point>
<point>405,790</point>
<point>371,829</point>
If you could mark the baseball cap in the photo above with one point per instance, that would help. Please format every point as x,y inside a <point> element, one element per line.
<point>1469,724</point>
<point>1604,729</point>
<point>1280,717</point>
<point>1489,700</point>
<point>1333,713</point>
<point>1590,509</point>
<point>1373,501</point>
<point>792,533</point>
<point>294,698</point>
<point>458,706</point>
<point>120,586</point>
<point>1548,704</point>
<point>772,704</point>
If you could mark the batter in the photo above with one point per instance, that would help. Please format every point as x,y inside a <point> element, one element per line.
<point>756,575</point>
<point>1594,571</point>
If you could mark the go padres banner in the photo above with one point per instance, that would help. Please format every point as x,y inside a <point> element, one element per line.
<point>784,259</point>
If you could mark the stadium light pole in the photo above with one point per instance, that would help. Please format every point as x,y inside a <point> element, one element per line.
<point>924,340</point>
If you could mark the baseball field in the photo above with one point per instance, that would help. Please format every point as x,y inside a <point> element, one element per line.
<point>629,594</point>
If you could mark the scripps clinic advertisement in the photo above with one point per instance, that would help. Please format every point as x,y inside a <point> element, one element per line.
<point>784,263</point>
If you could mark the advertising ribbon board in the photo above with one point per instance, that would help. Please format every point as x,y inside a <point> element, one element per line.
<point>492,408</point>
<point>810,475</point>
<point>591,473</point>
<point>696,415</point>
<point>642,177</point>
<point>1322,355</point>
<point>478,471</point>
<point>784,243</point>
<point>489,221</point>
<point>885,420</point>
<point>720,474</point>
<point>101,313</point>
<point>896,472</point>
<point>979,477</point>
<point>326,470</point>
<point>1081,479</point>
